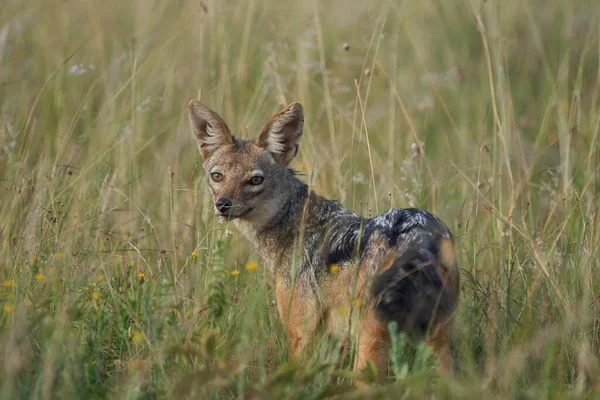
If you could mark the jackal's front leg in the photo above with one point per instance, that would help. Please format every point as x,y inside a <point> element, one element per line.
<point>299,314</point>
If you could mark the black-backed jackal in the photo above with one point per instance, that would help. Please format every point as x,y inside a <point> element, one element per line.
<point>399,266</point>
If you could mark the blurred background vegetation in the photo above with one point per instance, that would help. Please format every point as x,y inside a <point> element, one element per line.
<point>117,280</point>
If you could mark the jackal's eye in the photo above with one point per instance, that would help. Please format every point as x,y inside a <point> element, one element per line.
<point>256,180</point>
<point>216,176</point>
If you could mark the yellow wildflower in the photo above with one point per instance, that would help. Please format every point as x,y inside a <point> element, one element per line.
<point>137,337</point>
<point>343,309</point>
<point>8,308</point>
<point>194,254</point>
<point>251,266</point>
<point>96,295</point>
<point>39,277</point>
<point>9,283</point>
<point>235,272</point>
<point>334,268</point>
<point>141,275</point>
<point>136,364</point>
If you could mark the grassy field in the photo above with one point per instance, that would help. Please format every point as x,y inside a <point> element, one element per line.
<point>116,279</point>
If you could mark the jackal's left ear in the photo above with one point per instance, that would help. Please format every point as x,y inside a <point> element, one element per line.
<point>281,135</point>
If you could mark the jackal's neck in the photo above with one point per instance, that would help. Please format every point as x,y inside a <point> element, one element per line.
<point>302,223</point>
<point>271,233</point>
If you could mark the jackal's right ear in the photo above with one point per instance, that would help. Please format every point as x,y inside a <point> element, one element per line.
<point>208,127</point>
<point>281,134</point>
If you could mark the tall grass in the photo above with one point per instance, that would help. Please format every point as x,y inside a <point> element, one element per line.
<point>117,279</point>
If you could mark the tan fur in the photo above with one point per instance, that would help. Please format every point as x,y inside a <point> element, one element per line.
<point>440,334</point>
<point>300,315</point>
<point>447,254</point>
<point>448,272</point>
<point>373,341</point>
<point>439,342</point>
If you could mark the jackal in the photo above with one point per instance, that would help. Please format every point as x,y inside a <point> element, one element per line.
<point>331,265</point>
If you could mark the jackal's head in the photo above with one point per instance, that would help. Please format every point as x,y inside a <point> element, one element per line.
<point>248,178</point>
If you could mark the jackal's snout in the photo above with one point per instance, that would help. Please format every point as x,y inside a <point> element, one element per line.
<point>230,209</point>
<point>223,205</point>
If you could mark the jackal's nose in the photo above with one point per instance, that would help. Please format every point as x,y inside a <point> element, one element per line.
<point>223,204</point>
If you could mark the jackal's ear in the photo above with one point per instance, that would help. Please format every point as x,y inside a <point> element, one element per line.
<point>208,127</point>
<point>281,135</point>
